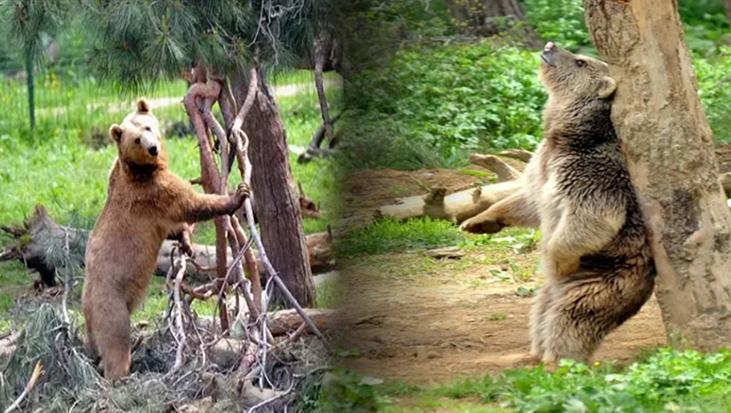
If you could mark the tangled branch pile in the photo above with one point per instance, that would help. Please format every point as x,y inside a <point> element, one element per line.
<point>71,381</point>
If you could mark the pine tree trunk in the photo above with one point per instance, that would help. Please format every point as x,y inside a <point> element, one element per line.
<point>488,17</point>
<point>659,117</point>
<point>727,9</point>
<point>275,197</point>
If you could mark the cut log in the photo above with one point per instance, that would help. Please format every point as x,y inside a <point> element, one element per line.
<point>287,321</point>
<point>39,234</point>
<point>725,179</point>
<point>455,207</point>
<point>519,154</point>
<point>503,171</point>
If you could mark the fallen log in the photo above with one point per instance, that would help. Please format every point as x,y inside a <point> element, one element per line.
<point>471,203</point>
<point>519,154</point>
<point>39,238</point>
<point>285,321</point>
<point>455,207</point>
<point>503,170</point>
<point>725,179</point>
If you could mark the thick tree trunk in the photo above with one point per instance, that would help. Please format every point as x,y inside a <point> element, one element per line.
<point>276,201</point>
<point>669,147</point>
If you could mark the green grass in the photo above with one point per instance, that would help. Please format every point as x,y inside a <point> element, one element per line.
<point>393,236</point>
<point>329,293</point>
<point>13,281</point>
<point>388,235</point>
<point>665,380</point>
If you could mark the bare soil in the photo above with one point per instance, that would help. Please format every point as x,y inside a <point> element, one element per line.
<point>437,327</point>
<point>417,319</point>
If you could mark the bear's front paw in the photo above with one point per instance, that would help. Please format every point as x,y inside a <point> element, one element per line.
<point>242,192</point>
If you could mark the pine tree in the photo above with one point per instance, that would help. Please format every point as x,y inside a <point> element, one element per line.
<point>136,42</point>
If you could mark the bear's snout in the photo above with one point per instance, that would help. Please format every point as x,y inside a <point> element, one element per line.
<point>152,150</point>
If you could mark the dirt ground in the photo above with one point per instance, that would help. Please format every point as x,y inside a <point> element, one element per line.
<point>413,318</point>
<point>437,327</point>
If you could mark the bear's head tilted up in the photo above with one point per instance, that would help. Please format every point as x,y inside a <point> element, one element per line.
<point>572,77</point>
<point>138,139</point>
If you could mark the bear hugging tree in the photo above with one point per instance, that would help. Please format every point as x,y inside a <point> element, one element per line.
<point>595,255</point>
<point>145,204</point>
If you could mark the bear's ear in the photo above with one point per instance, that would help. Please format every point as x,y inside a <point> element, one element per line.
<point>116,133</point>
<point>142,106</point>
<point>607,87</point>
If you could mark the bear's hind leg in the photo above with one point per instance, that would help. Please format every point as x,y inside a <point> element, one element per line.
<point>537,320</point>
<point>577,320</point>
<point>92,350</point>
<point>112,339</point>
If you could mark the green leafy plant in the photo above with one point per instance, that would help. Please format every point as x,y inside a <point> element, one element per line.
<point>345,391</point>
<point>430,106</point>
<point>561,21</point>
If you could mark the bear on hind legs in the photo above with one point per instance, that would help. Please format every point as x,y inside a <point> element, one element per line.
<point>145,204</point>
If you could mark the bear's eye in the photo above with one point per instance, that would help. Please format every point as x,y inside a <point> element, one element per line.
<point>580,63</point>
<point>137,141</point>
<point>148,129</point>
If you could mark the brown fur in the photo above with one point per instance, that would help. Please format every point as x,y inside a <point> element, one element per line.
<point>595,256</point>
<point>145,203</point>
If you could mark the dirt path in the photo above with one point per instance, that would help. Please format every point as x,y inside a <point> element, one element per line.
<point>412,318</point>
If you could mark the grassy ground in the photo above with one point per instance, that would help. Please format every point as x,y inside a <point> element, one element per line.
<point>69,177</point>
<point>659,380</point>
<point>663,381</point>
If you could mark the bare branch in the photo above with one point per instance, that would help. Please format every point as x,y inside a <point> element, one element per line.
<point>37,372</point>
<point>249,101</point>
<point>179,326</point>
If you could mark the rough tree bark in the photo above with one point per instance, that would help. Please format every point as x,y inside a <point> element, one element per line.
<point>659,117</point>
<point>276,201</point>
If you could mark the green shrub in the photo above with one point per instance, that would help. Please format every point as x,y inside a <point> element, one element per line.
<point>432,106</point>
<point>665,381</point>
<point>344,391</point>
<point>714,74</point>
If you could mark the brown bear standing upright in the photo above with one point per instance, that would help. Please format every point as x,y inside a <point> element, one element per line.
<point>595,255</point>
<point>145,203</point>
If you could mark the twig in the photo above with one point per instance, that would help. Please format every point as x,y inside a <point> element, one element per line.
<point>252,267</point>
<point>37,372</point>
<point>271,399</point>
<point>180,327</point>
<point>249,101</point>
<point>66,281</point>
<point>264,318</point>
